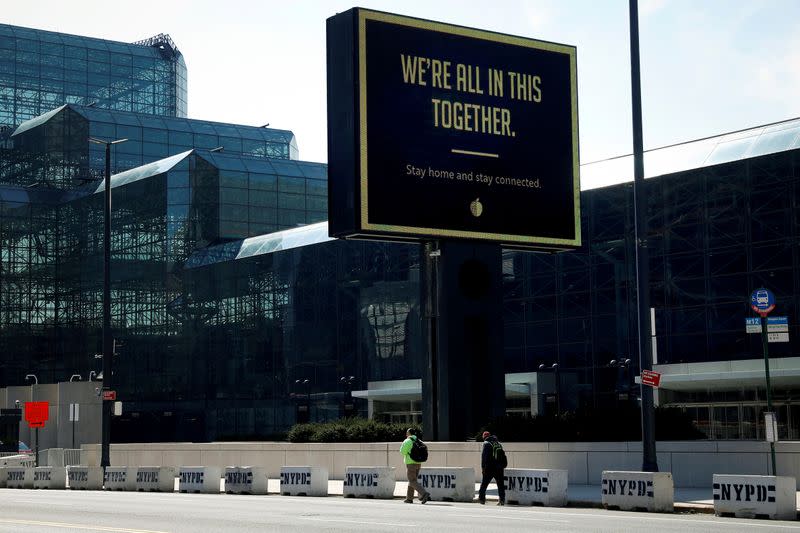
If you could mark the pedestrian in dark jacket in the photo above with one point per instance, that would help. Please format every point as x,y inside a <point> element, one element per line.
<point>491,468</point>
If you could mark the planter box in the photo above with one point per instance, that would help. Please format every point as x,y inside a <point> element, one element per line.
<point>755,496</point>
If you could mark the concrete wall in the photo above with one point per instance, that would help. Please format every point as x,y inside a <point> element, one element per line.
<point>57,432</point>
<point>692,463</point>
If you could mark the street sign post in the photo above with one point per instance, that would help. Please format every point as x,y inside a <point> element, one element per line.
<point>762,301</point>
<point>651,378</point>
<point>74,416</point>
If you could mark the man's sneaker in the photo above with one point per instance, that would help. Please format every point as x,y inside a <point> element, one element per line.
<point>425,498</point>
<point>482,502</point>
<point>408,501</point>
<point>501,502</point>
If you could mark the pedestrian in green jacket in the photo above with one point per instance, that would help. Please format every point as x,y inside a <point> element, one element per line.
<point>412,469</point>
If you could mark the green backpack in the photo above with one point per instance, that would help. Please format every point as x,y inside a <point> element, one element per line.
<point>499,454</point>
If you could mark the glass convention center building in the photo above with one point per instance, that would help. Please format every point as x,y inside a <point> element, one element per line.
<point>235,315</point>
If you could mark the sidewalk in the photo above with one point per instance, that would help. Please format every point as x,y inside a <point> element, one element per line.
<point>686,499</point>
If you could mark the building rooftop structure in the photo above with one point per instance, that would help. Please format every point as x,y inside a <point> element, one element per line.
<point>708,151</point>
<point>40,70</point>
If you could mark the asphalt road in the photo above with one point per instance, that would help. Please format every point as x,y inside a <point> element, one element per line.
<point>132,512</point>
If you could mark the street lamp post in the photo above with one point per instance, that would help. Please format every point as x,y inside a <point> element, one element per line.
<point>347,405</point>
<point>304,383</point>
<point>107,339</point>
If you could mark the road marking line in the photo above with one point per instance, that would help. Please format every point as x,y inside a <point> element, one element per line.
<point>405,524</point>
<point>75,526</point>
<point>506,517</point>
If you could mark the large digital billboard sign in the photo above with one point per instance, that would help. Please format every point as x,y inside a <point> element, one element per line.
<point>438,131</point>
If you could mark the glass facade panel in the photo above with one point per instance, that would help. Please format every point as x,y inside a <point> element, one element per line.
<point>138,77</point>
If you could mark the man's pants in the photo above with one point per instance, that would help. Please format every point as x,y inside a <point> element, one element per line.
<point>412,471</point>
<point>488,474</point>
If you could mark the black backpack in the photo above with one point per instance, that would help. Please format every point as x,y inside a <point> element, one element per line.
<point>419,451</point>
<point>499,454</point>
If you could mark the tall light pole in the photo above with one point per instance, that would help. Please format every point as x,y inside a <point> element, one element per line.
<point>107,338</point>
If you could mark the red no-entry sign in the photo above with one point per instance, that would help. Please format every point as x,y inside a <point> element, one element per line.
<point>37,413</point>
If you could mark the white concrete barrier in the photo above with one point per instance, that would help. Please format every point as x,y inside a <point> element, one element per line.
<point>85,477</point>
<point>155,479</point>
<point>304,481</point>
<point>19,477</point>
<point>369,481</point>
<point>651,491</point>
<point>50,477</point>
<point>528,486</point>
<point>755,496</point>
<point>246,480</point>
<point>28,461</point>
<point>448,484</point>
<point>120,478</point>
<point>203,479</point>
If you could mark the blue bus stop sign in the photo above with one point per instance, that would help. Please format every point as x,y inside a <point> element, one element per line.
<point>762,301</point>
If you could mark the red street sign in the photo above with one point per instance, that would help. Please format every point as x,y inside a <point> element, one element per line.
<point>37,413</point>
<point>109,395</point>
<point>651,378</point>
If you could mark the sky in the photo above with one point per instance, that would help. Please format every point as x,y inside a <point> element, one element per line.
<point>708,66</point>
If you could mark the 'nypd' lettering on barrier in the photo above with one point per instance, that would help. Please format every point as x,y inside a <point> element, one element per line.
<point>191,477</point>
<point>296,478</point>
<point>629,487</point>
<point>437,481</point>
<point>354,479</point>
<point>80,476</point>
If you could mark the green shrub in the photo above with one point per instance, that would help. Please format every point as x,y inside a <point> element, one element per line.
<point>348,430</point>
